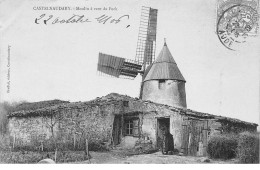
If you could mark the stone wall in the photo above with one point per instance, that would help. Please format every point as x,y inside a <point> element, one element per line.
<point>95,122</point>
<point>233,127</point>
<point>25,130</point>
<point>67,124</point>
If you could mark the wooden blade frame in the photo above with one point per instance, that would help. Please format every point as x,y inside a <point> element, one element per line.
<point>117,66</point>
<point>146,44</point>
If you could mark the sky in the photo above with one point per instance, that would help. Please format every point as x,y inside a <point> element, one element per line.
<point>59,61</point>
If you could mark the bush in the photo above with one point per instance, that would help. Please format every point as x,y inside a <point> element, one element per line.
<point>19,157</point>
<point>248,148</point>
<point>5,108</point>
<point>97,147</point>
<point>4,143</point>
<point>222,146</point>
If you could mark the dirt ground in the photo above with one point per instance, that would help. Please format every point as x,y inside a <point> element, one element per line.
<point>116,157</point>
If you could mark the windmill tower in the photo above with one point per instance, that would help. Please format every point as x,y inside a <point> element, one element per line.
<point>162,81</point>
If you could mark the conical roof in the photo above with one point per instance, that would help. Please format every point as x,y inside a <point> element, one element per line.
<point>164,67</point>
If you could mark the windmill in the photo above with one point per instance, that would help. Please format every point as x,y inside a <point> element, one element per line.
<point>145,52</point>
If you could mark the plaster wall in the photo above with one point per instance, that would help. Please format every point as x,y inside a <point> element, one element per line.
<point>176,130</point>
<point>171,92</point>
<point>128,141</point>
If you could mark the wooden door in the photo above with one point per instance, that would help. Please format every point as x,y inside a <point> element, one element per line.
<point>117,130</point>
<point>185,139</point>
<point>162,125</point>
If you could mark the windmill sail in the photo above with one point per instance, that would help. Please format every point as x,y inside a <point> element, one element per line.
<point>145,51</point>
<point>117,66</point>
<point>109,64</point>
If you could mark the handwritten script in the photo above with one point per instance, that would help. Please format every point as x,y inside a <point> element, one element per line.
<point>102,19</point>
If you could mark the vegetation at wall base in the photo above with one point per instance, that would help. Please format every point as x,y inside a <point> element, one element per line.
<point>248,148</point>
<point>24,157</point>
<point>32,152</point>
<point>222,146</point>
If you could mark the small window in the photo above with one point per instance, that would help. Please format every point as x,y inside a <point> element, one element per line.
<point>129,127</point>
<point>125,103</point>
<point>132,127</point>
<point>208,134</point>
<point>161,84</point>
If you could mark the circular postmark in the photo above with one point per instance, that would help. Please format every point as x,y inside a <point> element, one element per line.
<point>236,24</point>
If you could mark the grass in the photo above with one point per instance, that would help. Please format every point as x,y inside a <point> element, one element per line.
<point>28,157</point>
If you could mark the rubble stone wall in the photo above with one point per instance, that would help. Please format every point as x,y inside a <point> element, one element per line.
<point>24,130</point>
<point>95,122</point>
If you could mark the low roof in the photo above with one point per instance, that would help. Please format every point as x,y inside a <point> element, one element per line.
<point>114,98</point>
<point>26,106</point>
<point>164,67</point>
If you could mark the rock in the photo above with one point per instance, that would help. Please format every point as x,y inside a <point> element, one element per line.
<point>205,160</point>
<point>46,161</point>
<point>180,154</point>
<point>138,147</point>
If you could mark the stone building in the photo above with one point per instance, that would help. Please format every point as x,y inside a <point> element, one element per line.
<point>119,120</point>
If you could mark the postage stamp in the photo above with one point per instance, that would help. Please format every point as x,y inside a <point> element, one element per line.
<point>237,20</point>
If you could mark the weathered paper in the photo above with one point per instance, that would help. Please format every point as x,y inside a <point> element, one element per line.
<point>49,49</point>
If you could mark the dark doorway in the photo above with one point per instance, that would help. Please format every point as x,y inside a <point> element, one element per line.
<point>163,124</point>
<point>117,130</point>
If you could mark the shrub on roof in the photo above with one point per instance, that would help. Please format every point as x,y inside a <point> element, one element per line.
<point>37,105</point>
<point>248,148</point>
<point>222,146</point>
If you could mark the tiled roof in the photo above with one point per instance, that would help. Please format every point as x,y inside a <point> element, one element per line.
<point>164,67</point>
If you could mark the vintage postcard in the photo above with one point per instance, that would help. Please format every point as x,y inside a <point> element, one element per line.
<point>129,81</point>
